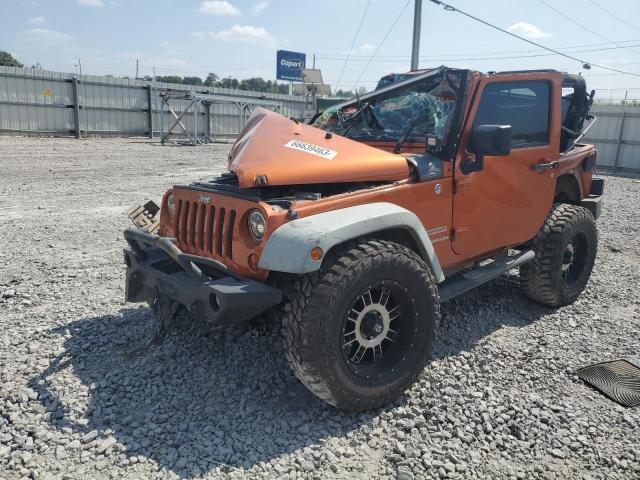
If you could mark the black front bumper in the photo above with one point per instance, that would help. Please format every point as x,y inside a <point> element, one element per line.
<point>156,268</point>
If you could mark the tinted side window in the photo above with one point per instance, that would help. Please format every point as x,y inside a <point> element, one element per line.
<point>523,105</point>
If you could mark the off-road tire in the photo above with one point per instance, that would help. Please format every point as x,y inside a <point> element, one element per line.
<point>318,303</point>
<point>542,280</point>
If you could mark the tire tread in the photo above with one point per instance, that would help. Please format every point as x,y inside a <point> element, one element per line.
<point>308,297</point>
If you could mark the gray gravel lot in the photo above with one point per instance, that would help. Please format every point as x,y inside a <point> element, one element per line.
<point>76,401</point>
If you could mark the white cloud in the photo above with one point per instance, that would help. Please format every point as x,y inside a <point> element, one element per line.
<point>218,7</point>
<point>527,30</point>
<point>37,20</point>
<point>365,49</point>
<point>259,7</point>
<point>47,38</point>
<point>199,35</point>
<point>91,3</point>
<point>244,33</point>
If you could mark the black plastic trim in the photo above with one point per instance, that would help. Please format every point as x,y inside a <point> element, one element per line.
<point>594,201</point>
<point>229,191</point>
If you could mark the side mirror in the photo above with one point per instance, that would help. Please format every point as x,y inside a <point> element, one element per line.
<point>493,140</point>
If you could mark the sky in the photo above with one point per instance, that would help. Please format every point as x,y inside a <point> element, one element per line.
<point>240,37</point>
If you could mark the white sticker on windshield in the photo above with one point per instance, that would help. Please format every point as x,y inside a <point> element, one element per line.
<point>312,149</point>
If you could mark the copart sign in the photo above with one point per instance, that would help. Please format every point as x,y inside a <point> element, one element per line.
<point>289,65</point>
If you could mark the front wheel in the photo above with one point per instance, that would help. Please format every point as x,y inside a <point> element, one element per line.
<point>359,332</point>
<point>565,251</point>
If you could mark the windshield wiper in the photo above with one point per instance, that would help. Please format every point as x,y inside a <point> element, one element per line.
<point>406,134</point>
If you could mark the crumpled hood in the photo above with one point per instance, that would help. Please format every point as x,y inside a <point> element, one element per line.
<point>284,152</point>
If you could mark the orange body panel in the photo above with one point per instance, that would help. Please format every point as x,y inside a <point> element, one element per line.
<point>507,202</point>
<point>261,151</point>
<point>433,209</point>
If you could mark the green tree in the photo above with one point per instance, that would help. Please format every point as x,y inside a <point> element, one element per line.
<point>230,83</point>
<point>169,78</point>
<point>257,84</point>
<point>344,93</point>
<point>7,60</point>
<point>212,80</point>
<point>192,81</point>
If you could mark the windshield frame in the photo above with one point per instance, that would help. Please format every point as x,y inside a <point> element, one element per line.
<point>448,148</point>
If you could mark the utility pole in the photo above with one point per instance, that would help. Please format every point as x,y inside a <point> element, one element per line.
<point>415,47</point>
<point>137,69</point>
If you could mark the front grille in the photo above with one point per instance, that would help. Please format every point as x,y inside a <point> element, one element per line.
<point>204,229</point>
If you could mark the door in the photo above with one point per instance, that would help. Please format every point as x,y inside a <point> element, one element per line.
<point>506,203</point>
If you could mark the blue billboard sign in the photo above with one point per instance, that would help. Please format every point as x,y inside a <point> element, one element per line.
<point>289,65</point>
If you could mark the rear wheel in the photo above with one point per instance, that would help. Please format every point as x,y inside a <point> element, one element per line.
<point>360,331</point>
<point>565,251</point>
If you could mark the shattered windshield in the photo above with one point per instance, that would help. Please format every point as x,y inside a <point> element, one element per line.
<point>420,110</point>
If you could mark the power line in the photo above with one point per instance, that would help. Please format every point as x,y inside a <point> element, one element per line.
<point>614,16</point>
<point>382,42</point>
<point>532,50</point>
<point>443,59</point>
<point>585,64</point>
<point>353,42</point>
<point>586,29</point>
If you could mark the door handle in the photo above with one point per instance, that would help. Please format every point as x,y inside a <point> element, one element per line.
<point>541,167</point>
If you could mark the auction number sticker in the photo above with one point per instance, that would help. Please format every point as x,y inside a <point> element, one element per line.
<point>311,148</point>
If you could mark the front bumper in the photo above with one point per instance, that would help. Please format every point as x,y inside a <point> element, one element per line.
<point>204,286</point>
<point>594,201</point>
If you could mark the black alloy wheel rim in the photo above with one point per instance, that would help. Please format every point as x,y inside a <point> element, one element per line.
<point>378,329</point>
<point>574,259</point>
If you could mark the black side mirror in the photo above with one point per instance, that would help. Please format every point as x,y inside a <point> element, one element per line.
<point>493,140</point>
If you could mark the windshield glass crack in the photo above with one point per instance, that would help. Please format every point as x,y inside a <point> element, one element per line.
<point>412,112</point>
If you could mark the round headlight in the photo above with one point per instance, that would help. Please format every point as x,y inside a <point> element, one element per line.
<point>171,204</point>
<point>257,225</point>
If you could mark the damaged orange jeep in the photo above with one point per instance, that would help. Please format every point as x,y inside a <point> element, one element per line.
<point>361,223</point>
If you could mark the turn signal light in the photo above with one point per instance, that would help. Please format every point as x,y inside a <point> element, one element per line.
<point>316,254</point>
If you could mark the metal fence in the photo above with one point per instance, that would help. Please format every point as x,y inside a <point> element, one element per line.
<point>617,96</point>
<point>616,134</point>
<point>35,101</point>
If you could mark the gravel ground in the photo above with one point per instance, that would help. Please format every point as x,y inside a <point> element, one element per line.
<point>80,399</point>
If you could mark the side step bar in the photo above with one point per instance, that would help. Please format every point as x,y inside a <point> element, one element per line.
<point>480,275</point>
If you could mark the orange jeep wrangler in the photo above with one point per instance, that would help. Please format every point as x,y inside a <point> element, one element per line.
<point>362,222</point>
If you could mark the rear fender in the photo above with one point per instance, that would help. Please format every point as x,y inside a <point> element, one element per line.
<point>288,249</point>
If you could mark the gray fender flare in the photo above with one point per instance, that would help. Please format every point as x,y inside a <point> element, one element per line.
<point>288,249</point>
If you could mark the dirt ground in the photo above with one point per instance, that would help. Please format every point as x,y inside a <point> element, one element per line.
<point>500,400</point>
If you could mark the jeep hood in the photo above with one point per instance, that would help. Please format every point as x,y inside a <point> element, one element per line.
<point>274,150</point>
